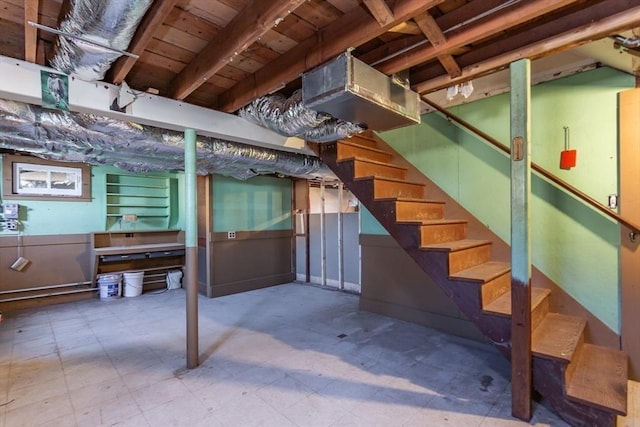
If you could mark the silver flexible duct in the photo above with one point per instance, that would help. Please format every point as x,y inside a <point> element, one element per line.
<point>290,117</point>
<point>96,140</point>
<point>111,23</point>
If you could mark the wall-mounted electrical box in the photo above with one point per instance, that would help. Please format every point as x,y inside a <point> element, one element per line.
<point>10,210</point>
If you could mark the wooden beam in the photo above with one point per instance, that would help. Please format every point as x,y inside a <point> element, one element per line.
<point>151,22</point>
<point>408,27</point>
<point>378,54</point>
<point>350,30</point>
<point>380,11</point>
<point>509,19</point>
<point>521,363</point>
<point>65,8</point>
<point>515,40</point>
<point>621,21</point>
<point>432,31</point>
<point>41,53</point>
<point>245,28</point>
<point>30,33</point>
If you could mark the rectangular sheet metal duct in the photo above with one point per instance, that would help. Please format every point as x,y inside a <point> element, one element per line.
<point>351,90</point>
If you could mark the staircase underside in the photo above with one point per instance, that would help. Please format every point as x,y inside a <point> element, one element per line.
<point>585,383</point>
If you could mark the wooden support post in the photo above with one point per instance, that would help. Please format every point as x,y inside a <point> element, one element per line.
<point>628,160</point>
<point>520,244</point>
<point>191,246</point>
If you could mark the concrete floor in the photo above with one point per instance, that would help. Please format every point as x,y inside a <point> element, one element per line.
<point>290,355</point>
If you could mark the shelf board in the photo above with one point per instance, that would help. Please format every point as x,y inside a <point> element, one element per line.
<point>127,205</point>
<point>143,196</point>
<point>139,215</point>
<point>120,184</point>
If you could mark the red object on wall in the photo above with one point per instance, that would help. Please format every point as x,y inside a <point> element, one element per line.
<point>568,159</point>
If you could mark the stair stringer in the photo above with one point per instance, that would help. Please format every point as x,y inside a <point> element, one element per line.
<point>464,293</point>
<point>548,378</point>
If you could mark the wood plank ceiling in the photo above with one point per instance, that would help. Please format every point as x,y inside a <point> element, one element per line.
<point>222,54</point>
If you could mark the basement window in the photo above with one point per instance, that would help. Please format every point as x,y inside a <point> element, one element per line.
<point>25,177</point>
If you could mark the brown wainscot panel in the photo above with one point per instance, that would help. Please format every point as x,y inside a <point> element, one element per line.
<point>55,259</point>
<point>393,285</point>
<point>251,260</point>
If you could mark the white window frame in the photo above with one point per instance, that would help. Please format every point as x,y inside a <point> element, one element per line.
<point>48,190</point>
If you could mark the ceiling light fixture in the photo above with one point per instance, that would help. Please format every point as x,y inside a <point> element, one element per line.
<point>465,89</point>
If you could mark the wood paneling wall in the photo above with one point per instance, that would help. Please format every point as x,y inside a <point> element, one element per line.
<point>393,285</point>
<point>55,259</point>
<point>251,261</point>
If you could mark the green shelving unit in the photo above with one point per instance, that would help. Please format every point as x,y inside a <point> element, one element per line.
<point>147,197</point>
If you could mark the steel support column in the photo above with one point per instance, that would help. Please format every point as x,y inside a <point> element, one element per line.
<point>191,246</point>
<point>520,244</point>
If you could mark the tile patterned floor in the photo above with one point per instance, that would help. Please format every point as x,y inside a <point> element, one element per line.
<point>270,357</point>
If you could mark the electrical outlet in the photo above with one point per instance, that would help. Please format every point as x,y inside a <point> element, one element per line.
<point>613,201</point>
<point>231,234</point>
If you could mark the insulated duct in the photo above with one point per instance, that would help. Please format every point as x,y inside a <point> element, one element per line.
<point>109,23</point>
<point>96,140</point>
<point>289,117</point>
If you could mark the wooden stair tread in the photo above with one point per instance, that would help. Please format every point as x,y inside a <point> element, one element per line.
<point>456,245</point>
<point>396,180</point>
<point>408,199</point>
<point>483,272</point>
<point>433,221</point>
<point>557,336</point>
<point>363,139</point>
<point>364,147</point>
<point>502,304</point>
<point>374,162</point>
<point>632,419</point>
<point>600,379</point>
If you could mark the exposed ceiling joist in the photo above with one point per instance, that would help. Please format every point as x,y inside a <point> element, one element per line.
<point>249,25</point>
<point>510,18</point>
<point>350,30</point>
<point>380,11</point>
<point>226,53</point>
<point>65,7</point>
<point>152,20</point>
<point>433,32</point>
<point>30,32</point>
<point>408,27</point>
<point>561,24</point>
<point>590,30</point>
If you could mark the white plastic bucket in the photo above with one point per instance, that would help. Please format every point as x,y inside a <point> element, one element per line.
<point>133,283</point>
<point>109,285</point>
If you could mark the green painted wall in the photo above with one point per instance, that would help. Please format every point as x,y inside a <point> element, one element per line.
<point>574,245</point>
<point>63,217</point>
<point>259,203</point>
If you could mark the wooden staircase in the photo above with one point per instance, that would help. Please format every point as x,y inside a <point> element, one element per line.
<point>585,383</point>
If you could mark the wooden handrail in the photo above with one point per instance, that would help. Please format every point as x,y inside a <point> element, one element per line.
<point>540,170</point>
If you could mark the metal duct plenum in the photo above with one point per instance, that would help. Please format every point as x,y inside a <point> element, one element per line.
<point>109,23</point>
<point>289,117</point>
<point>97,140</point>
